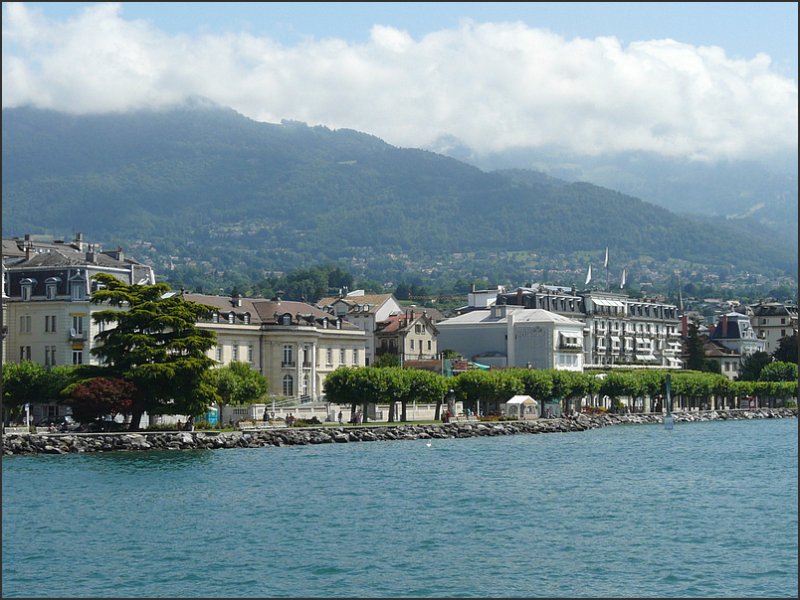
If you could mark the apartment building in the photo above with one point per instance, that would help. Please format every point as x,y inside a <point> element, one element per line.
<point>47,288</point>
<point>364,311</point>
<point>618,329</point>
<point>293,344</point>
<point>772,321</point>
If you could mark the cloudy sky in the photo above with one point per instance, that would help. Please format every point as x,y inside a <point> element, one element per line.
<point>700,80</point>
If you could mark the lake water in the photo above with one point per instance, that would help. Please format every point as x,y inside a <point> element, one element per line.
<point>705,510</point>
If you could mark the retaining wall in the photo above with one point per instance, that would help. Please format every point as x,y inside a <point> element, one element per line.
<point>63,443</point>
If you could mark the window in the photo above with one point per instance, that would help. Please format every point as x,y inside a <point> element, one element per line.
<point>355,356</point>
<point>215,317</point>
<point>429,345</point>
<point>77,292</point>
<point>24,353</point>
<point>250,353</point>
<point>50,323</point>
<point>53,361</point>
<point>341,356</point>
<point>416,328</point>
<point>51,291</point>
<point>305,385</point>
<point>287,356</point>
<point>77,357</point>
<point>246,318</point>
<point>288,385</point>
<point>412,343</point>
<point>329,357</point>
<point>231,317</point>
<point>77,326</point>
<point>235,352</point>
<point>47,356</point>
<point>219,353</point>
<point>25,324</point>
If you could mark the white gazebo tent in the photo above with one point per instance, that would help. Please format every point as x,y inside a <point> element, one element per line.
<point>522,407</point>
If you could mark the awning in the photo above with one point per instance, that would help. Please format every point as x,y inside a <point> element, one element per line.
<point>676,362</point>
<point>604,302</point>
<point>645,357</point>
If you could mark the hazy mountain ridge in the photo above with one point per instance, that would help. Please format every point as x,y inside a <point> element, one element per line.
<point>208,184</point>
<point>736,189</point>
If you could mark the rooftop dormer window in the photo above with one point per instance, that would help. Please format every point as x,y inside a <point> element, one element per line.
<point>51,287</point>
<point>246,318</point>
<point>231,317</point>
<point>26,287</point>
<point>77,288</point>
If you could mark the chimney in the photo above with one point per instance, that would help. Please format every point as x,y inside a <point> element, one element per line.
<point>724,326</point>
<point>519,296</point>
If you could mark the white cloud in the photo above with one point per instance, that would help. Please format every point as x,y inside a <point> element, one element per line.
<point>494,86</point>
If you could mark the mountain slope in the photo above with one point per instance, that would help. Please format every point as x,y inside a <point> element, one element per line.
<point>205,183</point>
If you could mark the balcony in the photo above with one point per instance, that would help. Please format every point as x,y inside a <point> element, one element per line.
<point>76,336</point>
<point>288,364</point>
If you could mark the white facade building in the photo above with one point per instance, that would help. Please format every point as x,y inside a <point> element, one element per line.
<point>513,336</point>
<point>364,311</point>
<point>772,321</point>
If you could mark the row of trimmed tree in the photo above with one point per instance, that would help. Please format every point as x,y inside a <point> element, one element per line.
<point>484,391</point>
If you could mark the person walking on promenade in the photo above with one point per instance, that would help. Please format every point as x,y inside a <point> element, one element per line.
<point>339,417</point>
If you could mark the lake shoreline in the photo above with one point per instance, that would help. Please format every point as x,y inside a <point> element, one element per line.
<point>66,443</point>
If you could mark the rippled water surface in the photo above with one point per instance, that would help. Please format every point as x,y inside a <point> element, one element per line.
<point>705,510</point>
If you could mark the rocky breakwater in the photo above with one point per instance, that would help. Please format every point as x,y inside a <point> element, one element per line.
<point>56,443</point>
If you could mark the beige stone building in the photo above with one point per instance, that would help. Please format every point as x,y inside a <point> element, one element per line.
<point>411,335</point>
<point>293,344</point>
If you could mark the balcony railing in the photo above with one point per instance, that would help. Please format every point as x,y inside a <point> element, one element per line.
<point>77,336</point>
<point>289,364</point>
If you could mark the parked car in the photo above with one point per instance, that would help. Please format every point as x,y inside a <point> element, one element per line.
<point>104,425</point>
<point>61,423</point>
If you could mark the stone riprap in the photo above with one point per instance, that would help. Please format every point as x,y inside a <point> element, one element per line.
<point>64,443</point>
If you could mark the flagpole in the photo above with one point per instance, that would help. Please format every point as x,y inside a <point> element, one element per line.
<point>605,264</point>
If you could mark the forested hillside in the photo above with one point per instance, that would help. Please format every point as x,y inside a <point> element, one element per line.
<point>222,194</point>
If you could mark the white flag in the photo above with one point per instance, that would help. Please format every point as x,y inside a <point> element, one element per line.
<point>622,284</point>
<point>588,276</point>
<point>605,262</point>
